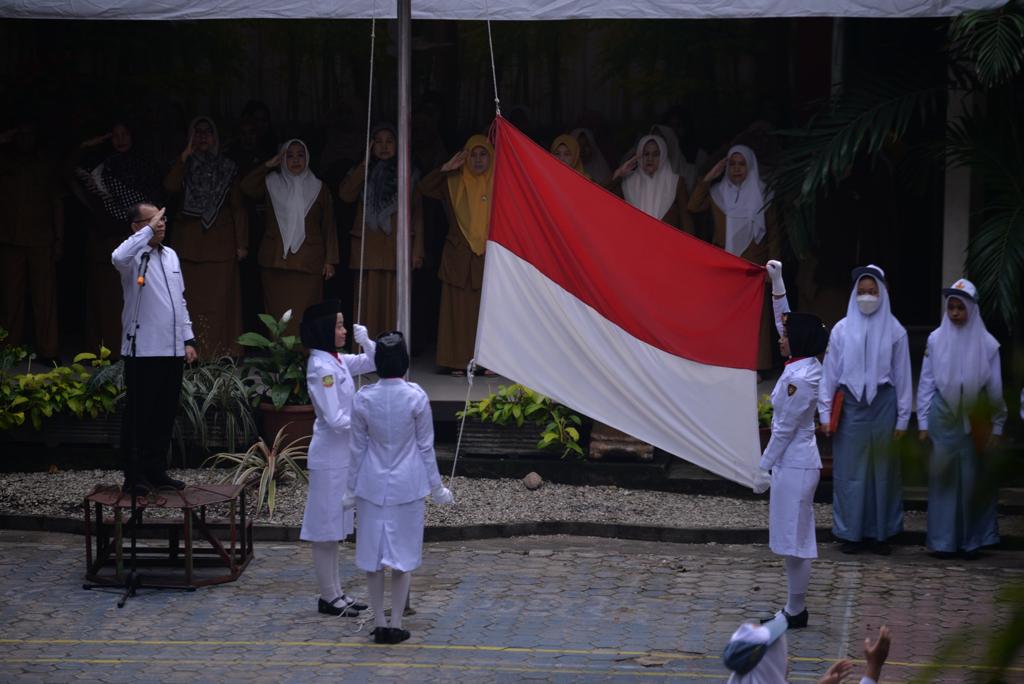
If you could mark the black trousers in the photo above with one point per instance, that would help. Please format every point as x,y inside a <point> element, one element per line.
<point>152,393</point>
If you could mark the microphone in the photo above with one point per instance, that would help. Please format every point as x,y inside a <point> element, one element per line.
<point>141,280</point>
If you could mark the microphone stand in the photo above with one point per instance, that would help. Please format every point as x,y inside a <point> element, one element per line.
<point>133,581</point>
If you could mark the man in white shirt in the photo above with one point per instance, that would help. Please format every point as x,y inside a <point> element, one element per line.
<point>157,341</point>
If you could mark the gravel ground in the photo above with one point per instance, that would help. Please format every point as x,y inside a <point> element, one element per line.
<point>478,501</point>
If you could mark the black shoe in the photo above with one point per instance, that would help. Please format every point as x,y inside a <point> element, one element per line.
<point>942,555</point>
<point>851,547</point>
<point>798,621</point>
<point>389,635</point>
<point>881,548</point>
<point>161,480</point>
<point>352,603</point>
<point>139,487</point>
<point>336,607</point>
<point>972,555</point>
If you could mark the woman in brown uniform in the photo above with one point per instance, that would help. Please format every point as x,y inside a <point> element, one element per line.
<point>210,238</point>
<point>646,180</point>
<point>743,226</point>
<point>377,310</point>
<point>464,183</point>
<point>300,246</point>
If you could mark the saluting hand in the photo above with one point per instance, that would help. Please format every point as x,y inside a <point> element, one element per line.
<point>627,168</point>
<point>455,162</point>
<point>716,171</point>
<point>187,152</point>
<point>93,142</point>
<point>275,160</point>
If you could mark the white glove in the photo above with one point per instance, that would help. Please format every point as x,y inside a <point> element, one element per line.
<point>762,481</point>
<point>775,273</point>
<point>442,495</point>
<point>361,334</point>
<point>348,500</point>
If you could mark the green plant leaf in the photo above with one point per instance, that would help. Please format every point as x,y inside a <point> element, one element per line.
<point>252,339</point>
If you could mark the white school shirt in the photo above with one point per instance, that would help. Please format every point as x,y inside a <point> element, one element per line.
<point>926,390</point>
<point>794,401</point>
<point>164,323</point>
<point>331,388</point>
<point>393,458</point>
<point>897,375</point>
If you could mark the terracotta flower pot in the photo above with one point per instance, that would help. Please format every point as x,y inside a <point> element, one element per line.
<point>273,419</point>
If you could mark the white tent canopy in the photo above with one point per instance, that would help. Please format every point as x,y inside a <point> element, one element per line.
<point>498,10</point>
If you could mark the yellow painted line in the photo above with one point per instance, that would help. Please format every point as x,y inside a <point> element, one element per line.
<point>459,647</point>
<point>234,664</point>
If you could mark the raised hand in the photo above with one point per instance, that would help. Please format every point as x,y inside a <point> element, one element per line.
<point>628,167</point>
<point>93,142</point>
<point>275,160</point>
<point>716,171</point>
<point>455,162</point>
<point>187,152</point>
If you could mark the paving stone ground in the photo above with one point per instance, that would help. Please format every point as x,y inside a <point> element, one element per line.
<point>545,609</point>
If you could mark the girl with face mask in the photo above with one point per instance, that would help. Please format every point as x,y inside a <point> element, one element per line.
<point>868,360</point>
<point>960,407</point>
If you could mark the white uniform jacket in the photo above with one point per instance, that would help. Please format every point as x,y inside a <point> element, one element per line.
<point>926,389</point>
<point>393,458</point>
<point>164,323</point>
<point>898,375</point>
<point>331,388</point>
<point>794,401</point>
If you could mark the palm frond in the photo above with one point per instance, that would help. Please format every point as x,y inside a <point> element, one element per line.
<point>857,124</point>
<point>991,40</point>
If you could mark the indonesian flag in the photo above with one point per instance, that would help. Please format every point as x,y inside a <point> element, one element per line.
<point>618,315</point>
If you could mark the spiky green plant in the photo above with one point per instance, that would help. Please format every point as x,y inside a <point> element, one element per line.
<point>263,466</point>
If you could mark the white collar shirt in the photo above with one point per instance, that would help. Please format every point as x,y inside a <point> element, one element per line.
<point>163,324</point>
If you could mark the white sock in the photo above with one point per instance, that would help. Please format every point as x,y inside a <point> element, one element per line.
<point>400,582</point>
<point>325,563</point>
<point>375,587</point>
<point>798,576</point>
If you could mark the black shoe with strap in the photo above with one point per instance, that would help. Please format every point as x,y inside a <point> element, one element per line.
<point>798,621</point>
<point>337,607</point>
<point>389,635</point>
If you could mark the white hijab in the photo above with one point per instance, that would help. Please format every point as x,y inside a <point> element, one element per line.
<point>597,167</point>
<point>292,196</point>
<point>868,341</point>
<point>962,356</point>
<point>652,195</point>
<point>743,204</point>
<point>680,164</point>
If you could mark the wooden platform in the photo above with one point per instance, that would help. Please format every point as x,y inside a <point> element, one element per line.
<point>224,551</point>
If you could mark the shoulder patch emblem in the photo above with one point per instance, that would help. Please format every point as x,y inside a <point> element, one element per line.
<point>791,390</point>
<point>328,380</point>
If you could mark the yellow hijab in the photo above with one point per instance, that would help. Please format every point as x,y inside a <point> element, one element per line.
<point>471,196</point>
<point>573,144</point>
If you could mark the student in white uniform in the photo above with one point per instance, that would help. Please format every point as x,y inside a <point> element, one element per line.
<point>960,372</point>
<point>869,360</point>
<point>792,453</point>
<point>329,376</point>
<point>393,471</point>
<point>756,654</point>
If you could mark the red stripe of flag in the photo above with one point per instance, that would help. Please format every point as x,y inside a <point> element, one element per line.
<point>662,286</point>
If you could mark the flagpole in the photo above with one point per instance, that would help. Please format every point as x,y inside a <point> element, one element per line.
<point>403,261</point>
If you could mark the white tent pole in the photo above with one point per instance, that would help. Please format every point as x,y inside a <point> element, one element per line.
<point>403,261</point>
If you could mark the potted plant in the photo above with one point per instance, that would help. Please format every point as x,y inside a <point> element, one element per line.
<point>216,406</point>
<point>556,427</point>
<point>266,466</point>
<point>279,366</point>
